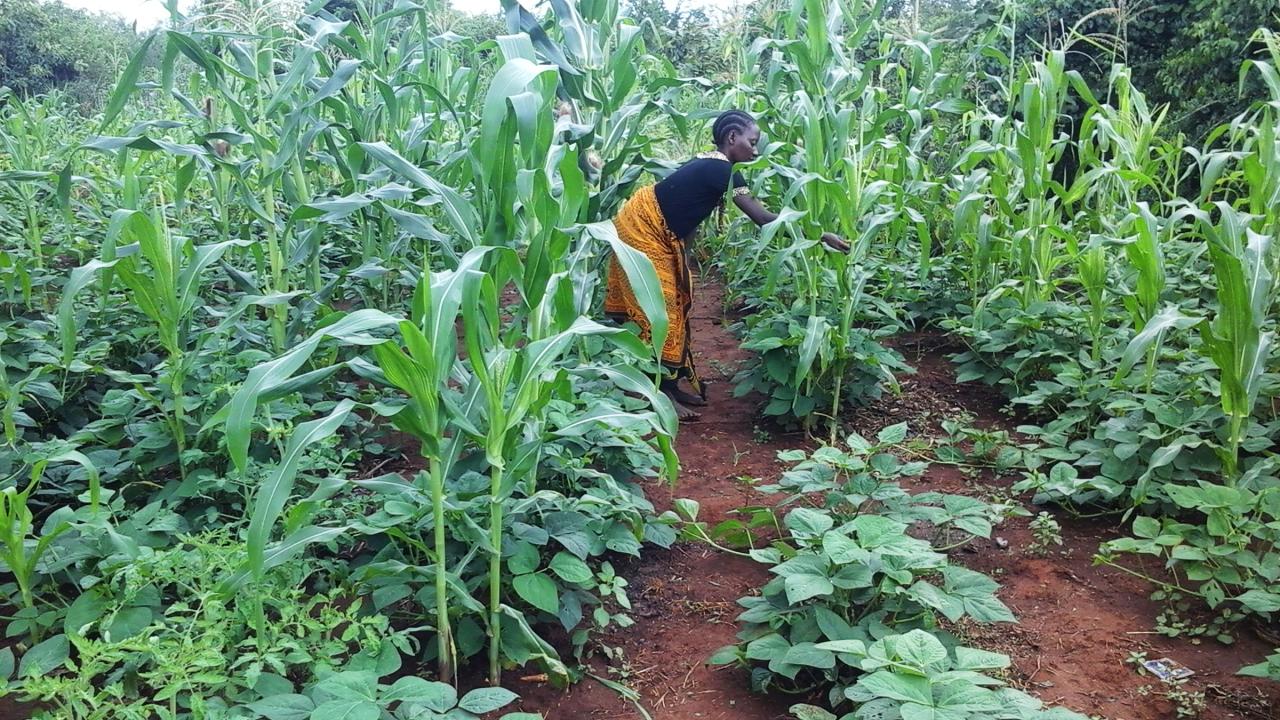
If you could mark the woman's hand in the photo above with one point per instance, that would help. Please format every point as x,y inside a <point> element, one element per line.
<point>834,242</point>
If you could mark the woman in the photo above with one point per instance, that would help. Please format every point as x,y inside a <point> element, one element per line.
<point>661,221</point>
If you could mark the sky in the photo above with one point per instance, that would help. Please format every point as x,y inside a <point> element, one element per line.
<point>149,13</point>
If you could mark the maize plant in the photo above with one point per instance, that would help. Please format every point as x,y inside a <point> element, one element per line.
<point>161,273</point>
<point>849,160</point>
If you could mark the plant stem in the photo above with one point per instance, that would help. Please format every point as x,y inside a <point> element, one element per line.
<point>444,635</point>
<point>495,574</point>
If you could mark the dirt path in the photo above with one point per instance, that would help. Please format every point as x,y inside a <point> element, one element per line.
<point>1078,623</point>
<point>685,598</point>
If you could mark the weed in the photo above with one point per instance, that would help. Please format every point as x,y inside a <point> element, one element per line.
<point>1046,533</point>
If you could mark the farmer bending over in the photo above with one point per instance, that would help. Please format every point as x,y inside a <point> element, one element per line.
<point>661,221</point>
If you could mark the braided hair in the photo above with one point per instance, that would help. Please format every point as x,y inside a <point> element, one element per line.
<point>730,121</point>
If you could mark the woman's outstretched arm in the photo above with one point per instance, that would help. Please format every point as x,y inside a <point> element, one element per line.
<point>760,215</point>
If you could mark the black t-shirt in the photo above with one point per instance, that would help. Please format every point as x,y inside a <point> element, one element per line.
<point>689,195</point>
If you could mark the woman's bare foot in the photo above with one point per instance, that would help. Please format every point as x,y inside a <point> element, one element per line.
<point>685,398</point>
<point>673,391</point>
<point>684,414</point>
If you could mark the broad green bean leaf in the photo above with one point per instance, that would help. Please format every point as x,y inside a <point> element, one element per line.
<point>844,647</point>
<point>843,550</point>
<point>1260,601</point>
<point>832,625</point>
<point>875,531</point>
<point>45,657</point>
<point>977,591</point>
<point>810,712</point>
<point>727,655</point>
<point>883,683</point>
<point>803,586</point>
<point>284,707</point>
<point>601,415</point>
<point>347,710</point>
<point>687,508</point>
<point>893,434</point>
<point>958,701</point>
<point>808,523</point>
<point>350,685</point>
<point>1145,527</point>
<point>546,654</point>
<point>127,623</point>
<point>524,559</point>
<point>570,568</point>
<point>808,563</point>
<point>768,647</point>
<point>437,696</point>
<point>485,700</point>
<point>87,608</point>
<point>539,591</point>
<point>920,648</point>
<point>930,595</point>
<point>809,655</point>
<point>968,658</point>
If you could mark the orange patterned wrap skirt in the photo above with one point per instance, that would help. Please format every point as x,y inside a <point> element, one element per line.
<point>640,225</point>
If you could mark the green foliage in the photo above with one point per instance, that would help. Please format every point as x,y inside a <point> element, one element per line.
<point>1138,388</point>
<point>47,46</point>
<point>190,348</point>
<point>356,694</point>
<point>842,159</point>
<point>1218,548</point>
<point>155,635</point>
<point>1045,532</point>
<point>856,605</point>
<point>916,675</point>
<point>1269,668</point>
<point>685,37</point>
<point>1185,54</point>
<point>785,373</point>
<point>848,571</point>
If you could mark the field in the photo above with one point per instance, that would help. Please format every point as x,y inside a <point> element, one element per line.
<point>310,410</point>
